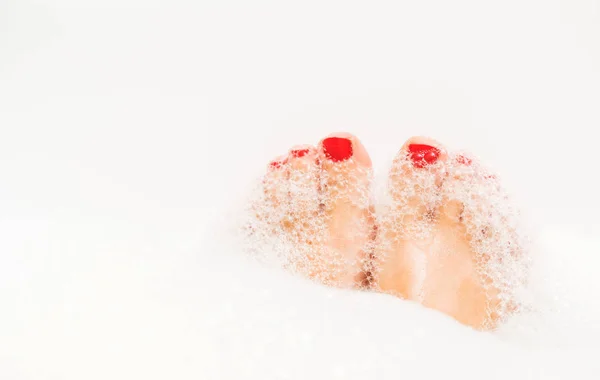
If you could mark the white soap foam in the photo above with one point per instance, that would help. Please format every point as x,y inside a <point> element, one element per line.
<point>130,128</point>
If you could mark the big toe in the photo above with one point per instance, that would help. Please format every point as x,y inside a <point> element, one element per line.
<point>414,181</point>
<point>345,185</point>
<point>406,222</point>
<point>345,172</point>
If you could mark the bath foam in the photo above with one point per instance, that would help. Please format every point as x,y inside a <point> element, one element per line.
<point>287,221</point>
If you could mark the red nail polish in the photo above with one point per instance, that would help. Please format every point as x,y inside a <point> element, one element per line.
<point>299,152</point>
<point>337,148</point>
<point>463,160</point>
<point>423,155</point>
<point>275,164</point>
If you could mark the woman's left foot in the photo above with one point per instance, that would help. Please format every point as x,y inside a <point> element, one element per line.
<point>448,237</point>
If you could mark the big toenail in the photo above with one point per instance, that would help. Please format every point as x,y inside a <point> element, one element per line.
<point>337,148</point>
<point>423,155</point>
<point>299,152</point>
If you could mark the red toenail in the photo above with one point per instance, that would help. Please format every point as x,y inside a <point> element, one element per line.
<point>423,155</point>
<point>275,164</point>
<point>464,160</point>
<point>299,152</point>
<point>337,148</point>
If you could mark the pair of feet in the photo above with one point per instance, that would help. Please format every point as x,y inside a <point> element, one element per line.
<point>443,234</point>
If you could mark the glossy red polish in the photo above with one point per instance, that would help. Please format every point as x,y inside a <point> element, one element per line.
<point>337,148</point>
<point>464,160</point>
<point>275,165</point>
<point>423,155</point>
<point>299,152</point>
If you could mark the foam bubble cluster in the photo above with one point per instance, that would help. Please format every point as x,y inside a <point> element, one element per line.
<point>321,223</point>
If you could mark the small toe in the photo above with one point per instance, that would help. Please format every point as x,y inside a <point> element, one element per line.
<point>275,181</point>
<point>303,181</point>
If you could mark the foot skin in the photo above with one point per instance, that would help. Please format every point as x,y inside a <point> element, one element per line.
<point>447,238</point>
<point>314,215</point>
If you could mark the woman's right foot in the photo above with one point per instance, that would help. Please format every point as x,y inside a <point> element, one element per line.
<point>314,213</point>
<point>448,238</point>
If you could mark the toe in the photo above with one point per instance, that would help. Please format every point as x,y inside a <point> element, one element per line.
<point>423,152</point>
<point>471,194</point>
<point>420,153</point>
<point>345,173</point>
<point>407,223</point>
<point>274,181</point>
<point>302,158</point>
<point>477,213</point>
<point>415,177</point>
<point>345,180</point>
<point>343,146</point>
<point>303,181</point>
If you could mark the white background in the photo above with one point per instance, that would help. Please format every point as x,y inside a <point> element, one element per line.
<point>128,128</point>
